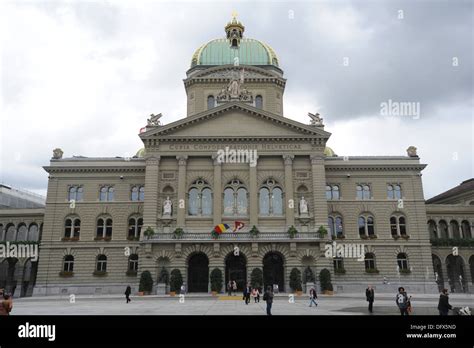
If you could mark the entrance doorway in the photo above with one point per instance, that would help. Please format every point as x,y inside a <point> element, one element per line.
<point>273,271</point>
<point>198,273</point>
<point>236,269</point>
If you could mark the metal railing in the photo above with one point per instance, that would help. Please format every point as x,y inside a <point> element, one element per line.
<point>235,236</point>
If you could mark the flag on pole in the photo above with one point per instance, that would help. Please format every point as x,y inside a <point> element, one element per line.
<point>221,228</point>
<point>238,225</point>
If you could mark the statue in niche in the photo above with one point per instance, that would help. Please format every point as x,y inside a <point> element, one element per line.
<point>303,206</point>
<point>167,206</point>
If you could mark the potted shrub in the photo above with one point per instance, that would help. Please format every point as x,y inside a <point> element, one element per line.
<point>292,231</point>
<point>216,281</point>
<point>99,273</point>
<point>295,281</point>
<point>373,236</point>
<point>176,280</point>
<point>254,231</point>
<point>256,278</point>
<point>405,271</point>
<point>340,271</point>
<point>66,274</point>
<point>146,283</point>
<point>363,236</point>
<point>133,238</point>
<point>163,281</point>
<point>149,232</point>
<point>322,231</point>
<point>325,281</point>
<point>178,233</point>
<point>372,270</point>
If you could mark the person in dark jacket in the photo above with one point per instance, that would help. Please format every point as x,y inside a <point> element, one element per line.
<point>268,298</point>
<point>443,305</point>
<point>402,301</point>
<point>128,291</point>
<point>312,297</point>
<point>247,293</point>
<point>370,295</point>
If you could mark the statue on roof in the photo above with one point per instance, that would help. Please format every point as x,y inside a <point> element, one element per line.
<point>316,120</point>
<point>411,152</point>
<point>154,120</point>
<point>57,153</point>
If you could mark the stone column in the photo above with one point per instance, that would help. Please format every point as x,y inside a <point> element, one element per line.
<point>320,207</point>
<point>217,197</point>
<point>181,190</point>
<point>150,208</point>
<point>253,194</point>
<point>290,212</point>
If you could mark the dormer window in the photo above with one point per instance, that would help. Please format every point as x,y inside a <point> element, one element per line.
<point>210,102</point>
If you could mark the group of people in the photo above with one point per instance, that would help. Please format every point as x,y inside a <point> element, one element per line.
<point>403,301</point>
<point>6,303</point>
<point>251,292</point>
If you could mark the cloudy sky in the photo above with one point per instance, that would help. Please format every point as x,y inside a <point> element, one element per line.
<point>84,75</point>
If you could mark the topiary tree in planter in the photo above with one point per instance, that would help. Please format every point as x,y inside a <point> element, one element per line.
<point>254,231</point>
<point>146,282</point>
<point>256,278</point>
<point>176,280</point>
<point>308,275</point>
<point>178,233</point>
<point>325,280</point>
<point>295,280</point>
<point>292,231</point>
<point>149,232</point>
<point>322,231</point>
<point>164,276</point>
<point>216,280</point>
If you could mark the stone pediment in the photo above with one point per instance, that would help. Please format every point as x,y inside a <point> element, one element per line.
<point>235,120</point>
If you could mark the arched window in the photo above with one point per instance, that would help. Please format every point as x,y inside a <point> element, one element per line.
<point>104,228</point>
<point>271,199</point>
<point>259,102</point>
<point>33,233</point>
<point>72,227</point>
<point>10,233</point>
<point>454,229</point>
<point>22,233</point>
<point>68,263</point>
<point>369,262</point>
<point>138,193</point>
<point>133,263</point>
<point>366,226</point>
<point>363,192</point>
<point>106,193</point>
<point>210,102</point>
<point>200,199</point>
<point>394,191</point>
<point>402,261</point>
<point>332,192</point>
<point>466,229</point>
<point>235,198</point>
<point>443,229</point>
<point>398,226</point>
<point>432,229</point>
<point>134,227</point>
<point>75,193</point>
<point>335,226</point>
<point>101,265</point>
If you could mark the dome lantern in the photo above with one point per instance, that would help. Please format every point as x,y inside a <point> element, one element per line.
<point>234,31</point>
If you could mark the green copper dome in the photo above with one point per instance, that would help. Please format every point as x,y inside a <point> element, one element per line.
<point>224,51</point>
<point>220,52</point>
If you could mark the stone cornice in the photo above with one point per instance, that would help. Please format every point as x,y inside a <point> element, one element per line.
<point>83,169</point>
<point>375,167</point>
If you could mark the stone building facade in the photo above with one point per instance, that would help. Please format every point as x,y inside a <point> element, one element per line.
<point>235,158</point>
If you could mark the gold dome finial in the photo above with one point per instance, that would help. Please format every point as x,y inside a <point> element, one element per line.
<point>235,14</point>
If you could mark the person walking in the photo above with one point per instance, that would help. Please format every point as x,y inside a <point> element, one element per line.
<point>370,295</point>
<point>312,297</point>
<point>229,288</point>
<point>234,287</point>
<point>247,292</point>
<point>443,305</point>
<point>6,304</point>
<point>128,291</point>
<point>256,295</point>
<point>268,297</point>
<point>402,301</point>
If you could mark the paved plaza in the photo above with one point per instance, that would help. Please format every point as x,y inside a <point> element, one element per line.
<point>196,304</point>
